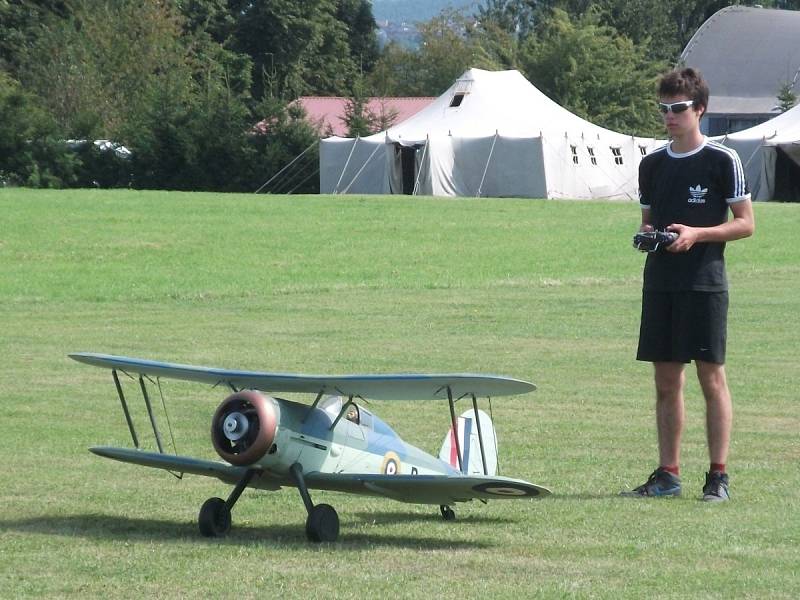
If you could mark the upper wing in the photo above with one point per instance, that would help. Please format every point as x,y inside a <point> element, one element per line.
<point>426,489</point>
<point>378,387</point>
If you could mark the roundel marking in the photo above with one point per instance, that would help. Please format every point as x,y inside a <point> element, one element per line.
<point>507,490</point>
<point>391,464</point>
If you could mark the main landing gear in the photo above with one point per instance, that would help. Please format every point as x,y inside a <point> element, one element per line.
<point>215,514</point>
<point>322,523</point>
<point>447,513</point>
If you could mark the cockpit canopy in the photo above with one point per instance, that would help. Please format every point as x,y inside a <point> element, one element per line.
<point>359,415</point>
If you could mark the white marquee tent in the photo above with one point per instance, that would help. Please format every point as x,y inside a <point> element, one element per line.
<point>490,134</point>
<point>770,153</point>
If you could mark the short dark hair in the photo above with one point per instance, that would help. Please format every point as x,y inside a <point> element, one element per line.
<point>685,82</point>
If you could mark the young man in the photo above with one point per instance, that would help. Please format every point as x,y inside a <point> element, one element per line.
<point>688,187</point>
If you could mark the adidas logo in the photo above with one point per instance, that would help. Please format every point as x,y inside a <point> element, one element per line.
<point>697,195</point>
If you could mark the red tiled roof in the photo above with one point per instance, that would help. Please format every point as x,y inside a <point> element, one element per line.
<point>327,113</point>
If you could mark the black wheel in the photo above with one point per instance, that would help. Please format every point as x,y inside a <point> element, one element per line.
<point>447,513</point>
<point>322,524</point>
<point>215,518</point>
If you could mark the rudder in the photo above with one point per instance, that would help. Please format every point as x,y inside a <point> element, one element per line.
<point>470,444</point>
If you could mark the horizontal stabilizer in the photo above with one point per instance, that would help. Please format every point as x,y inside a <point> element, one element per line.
<point>378,387</point>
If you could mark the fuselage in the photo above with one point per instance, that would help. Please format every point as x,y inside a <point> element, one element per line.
<point>366,444</point>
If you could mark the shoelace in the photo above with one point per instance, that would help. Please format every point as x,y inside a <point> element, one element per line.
<point>714,485</point>
<point>650,481</point>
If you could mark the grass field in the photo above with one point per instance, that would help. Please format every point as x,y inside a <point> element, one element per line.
<point>541,290</point>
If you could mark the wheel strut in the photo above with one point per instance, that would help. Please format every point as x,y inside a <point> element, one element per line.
<point>215,514</point>
<point>322,523</point>
<point>237,491</point>
<point>296,471</point>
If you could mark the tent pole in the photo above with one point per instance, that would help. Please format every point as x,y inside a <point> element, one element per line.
<point>422,160</point>
<point>364,166</point>
<point>486,168</point>
<point>347,162</point>
<point>753,155</point>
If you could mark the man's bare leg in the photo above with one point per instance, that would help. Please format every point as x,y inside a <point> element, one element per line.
<point>719,410</point>
<point>670,412</point>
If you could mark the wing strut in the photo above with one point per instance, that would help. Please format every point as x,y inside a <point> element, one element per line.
<point>150,412</point>
<point>152,415</point>
<point>131,428</point>
<point>345,406</point>
<point>313,405</point>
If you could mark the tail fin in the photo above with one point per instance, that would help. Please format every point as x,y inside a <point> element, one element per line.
<point>470,444</point>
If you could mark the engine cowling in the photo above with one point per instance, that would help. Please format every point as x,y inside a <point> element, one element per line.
<point>243,427</point>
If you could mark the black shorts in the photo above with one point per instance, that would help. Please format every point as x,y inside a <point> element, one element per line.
<point>683,326</point>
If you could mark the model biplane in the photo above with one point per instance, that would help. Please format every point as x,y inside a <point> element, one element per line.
<point>334,443</point>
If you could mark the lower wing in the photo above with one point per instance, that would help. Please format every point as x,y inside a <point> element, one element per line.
<point>427,489</point>
<point>185,464</point>
<point>417,489</point>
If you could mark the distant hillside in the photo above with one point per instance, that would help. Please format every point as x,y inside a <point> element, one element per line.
<point>412,11</point>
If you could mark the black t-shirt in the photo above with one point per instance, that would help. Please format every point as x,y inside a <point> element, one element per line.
<point>692,189</point>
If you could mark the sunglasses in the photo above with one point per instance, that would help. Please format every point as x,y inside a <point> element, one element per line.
<point>675,107</point>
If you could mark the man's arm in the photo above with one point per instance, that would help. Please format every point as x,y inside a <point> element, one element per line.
<point>647,224</point>
<point>741,226</point>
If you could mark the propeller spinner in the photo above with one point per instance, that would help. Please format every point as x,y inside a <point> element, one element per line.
<point>235,426</point>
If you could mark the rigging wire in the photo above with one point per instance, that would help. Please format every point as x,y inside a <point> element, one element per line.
<point>169,426</point>
<point>315,143</point>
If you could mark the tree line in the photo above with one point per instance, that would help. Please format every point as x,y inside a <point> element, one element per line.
<point>200,91</point>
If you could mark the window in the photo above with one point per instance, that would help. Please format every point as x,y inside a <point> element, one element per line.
<point>592,157</point>
<point>574,154</point>
<point>462,88</point>
<point>457,99</point>
<point>617,152</point>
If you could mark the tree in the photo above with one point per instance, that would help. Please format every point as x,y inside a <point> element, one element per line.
<point>357,116</point>
<point>396,73</point>
<point>594,72</point>
<point>663,26</point>
<point>208,17</point>
<point>647,23</point>
<point>450,44</point>
<point>360,119</point>
<point>363,39</point>
<point>287,135</point>
<point>516,17</point>
<point>30,152</point>
<point>496,47</point>
<point>786,97</point>
<point>181,105</point>
<point>172,81</point>
<point>297,48</point>
<point>85,70</point>
<point>22,22</point>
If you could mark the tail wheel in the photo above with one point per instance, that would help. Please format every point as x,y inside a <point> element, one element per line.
<point>448,514</point>
<point>243,427</point>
